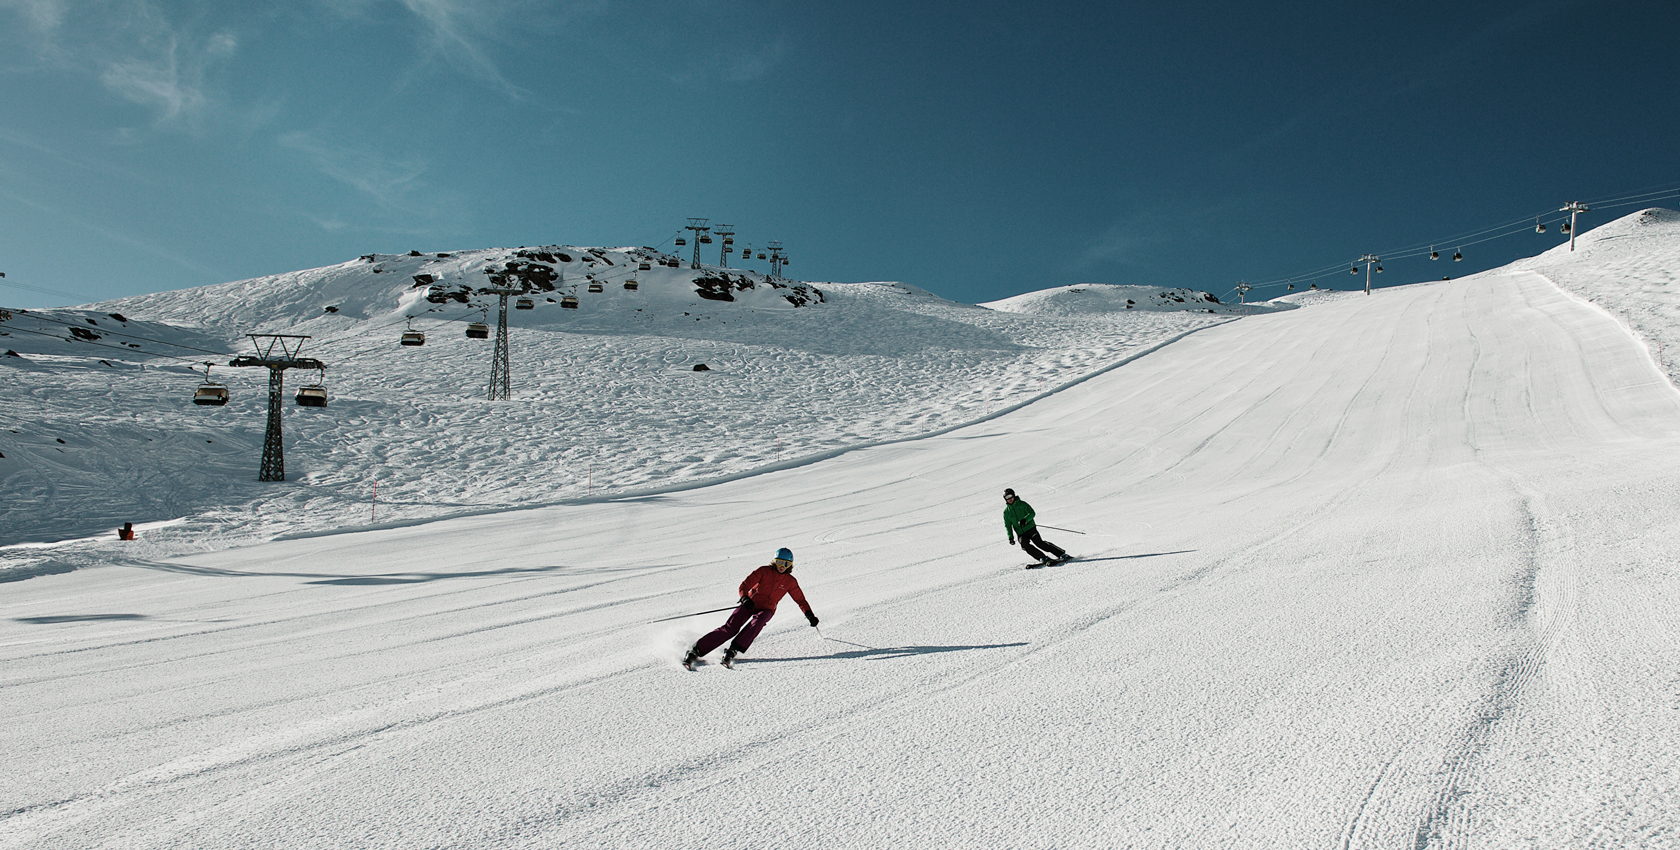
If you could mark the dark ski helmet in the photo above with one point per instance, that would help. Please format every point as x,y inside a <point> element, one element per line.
<point>1008,492</point>
<point>784,554</point>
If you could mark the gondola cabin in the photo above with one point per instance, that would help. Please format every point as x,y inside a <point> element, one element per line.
<point>215,394</point>
<point>705,239</point>
<point>315,396</point>
<point>680,242</point>
<point>570,302</point>
<point>632,285</point>
<point>644,266</point>
<point>413,338</point>
<point>524,304</point>
<point>478,330</point>
<point>595,286</point>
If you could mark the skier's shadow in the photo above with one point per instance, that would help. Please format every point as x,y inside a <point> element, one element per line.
<point>880,652</point>
<point>1077,561</point>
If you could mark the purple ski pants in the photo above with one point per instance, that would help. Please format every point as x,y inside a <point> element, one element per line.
<point>743,626</point>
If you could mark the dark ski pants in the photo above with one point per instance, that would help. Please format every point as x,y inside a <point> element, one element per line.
<point>743,626</point>
<point>1030,536</point>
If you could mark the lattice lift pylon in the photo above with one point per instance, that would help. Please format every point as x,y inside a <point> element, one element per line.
<point>291,347</point>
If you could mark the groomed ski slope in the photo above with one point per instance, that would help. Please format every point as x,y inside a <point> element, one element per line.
<point>1395,571</point>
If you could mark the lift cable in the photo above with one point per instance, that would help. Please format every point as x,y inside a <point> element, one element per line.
<point>1477,237</point>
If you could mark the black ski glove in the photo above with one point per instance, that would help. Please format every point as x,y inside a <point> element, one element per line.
<point>812,618</point>
<point>747,603</point>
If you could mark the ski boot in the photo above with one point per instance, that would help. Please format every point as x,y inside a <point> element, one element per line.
<point>729,657</point>
<point>689,659</point>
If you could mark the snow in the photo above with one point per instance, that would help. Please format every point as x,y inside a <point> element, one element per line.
<point>1382,571</point>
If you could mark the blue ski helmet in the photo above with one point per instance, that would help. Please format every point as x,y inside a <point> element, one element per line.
<point>784,554</point>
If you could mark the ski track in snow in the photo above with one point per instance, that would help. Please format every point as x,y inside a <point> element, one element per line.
<point>1392,571</point>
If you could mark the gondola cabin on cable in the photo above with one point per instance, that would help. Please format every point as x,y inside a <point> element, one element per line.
<point>524,304</point>
<point>644,266</point>
<point>680,242</point>
<point>632,285</point>
<point>595,286</point>
<point>705,238</point>
<point>478,330</point>
<point>570,302</point>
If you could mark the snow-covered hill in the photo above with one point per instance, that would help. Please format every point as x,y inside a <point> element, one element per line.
<point>605,397</point>
<point>1386,571</point>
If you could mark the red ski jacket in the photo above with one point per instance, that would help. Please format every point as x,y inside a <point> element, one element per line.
<point>766,586</point>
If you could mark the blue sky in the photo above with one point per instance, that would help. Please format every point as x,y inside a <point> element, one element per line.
<point>976,149</point>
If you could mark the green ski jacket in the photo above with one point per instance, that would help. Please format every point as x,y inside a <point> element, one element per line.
<point>1018,518</point>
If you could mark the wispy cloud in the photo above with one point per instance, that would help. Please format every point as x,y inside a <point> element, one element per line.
<point>457,29</point>
<point>132,47</point>
<point>390,183</point>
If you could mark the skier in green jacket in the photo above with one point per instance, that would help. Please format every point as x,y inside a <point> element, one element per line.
<point>1018,521</point>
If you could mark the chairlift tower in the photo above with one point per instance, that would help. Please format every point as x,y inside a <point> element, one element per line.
<point>1369,260</point>
<point>777,259</point>
<point>1574,208</point>
<point>291,346</point>
<point>727,231</point>
<point>699,226</point>
<point>1242,292</point>
<point>499,372</point>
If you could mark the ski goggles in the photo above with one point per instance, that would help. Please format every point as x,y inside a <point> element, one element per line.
<point>782,564</point>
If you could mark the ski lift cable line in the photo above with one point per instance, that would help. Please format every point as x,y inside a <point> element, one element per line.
<point>1479,236</point>
<point>104,332</point>
<point>113,347</point>
<point>46,291</point>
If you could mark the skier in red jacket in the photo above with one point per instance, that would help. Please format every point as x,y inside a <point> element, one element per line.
<point>763,588</point>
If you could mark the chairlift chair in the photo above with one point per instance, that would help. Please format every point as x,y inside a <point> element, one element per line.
<point>705,238</point>
<point>523,303</point>
<point>1434,254</point>
<point>632,285</point>
<point>1564,228</point>
<point>644,266</point>
<point>595,286</point>
<point>412,336</point>
<point>1539,226</point>
<point>478,330</point>
<point>210,392</point>
<point>215,394</point>
<point>1457,256</point>
<point>761,255</point>
<point>680,242</point>
<point>570,302</point>
<point>313,395</point>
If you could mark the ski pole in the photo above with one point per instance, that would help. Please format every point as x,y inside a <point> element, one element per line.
<point>846,642</point>
<point>1053,528</point>
<point>697,613</point>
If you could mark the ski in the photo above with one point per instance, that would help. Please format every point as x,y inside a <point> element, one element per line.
<point>1038,565</point>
